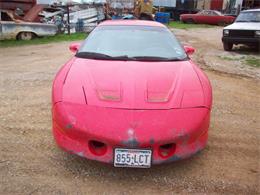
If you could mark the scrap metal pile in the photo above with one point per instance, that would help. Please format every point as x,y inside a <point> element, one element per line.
<point>83,17</point>
<point>21,19</point>
<point>28,10</point>
<point>116,9</point>
<point>61,16</point>
<point>21,16</point>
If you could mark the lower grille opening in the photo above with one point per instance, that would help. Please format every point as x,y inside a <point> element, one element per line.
<point>97,148</point>
<point>167,150</point>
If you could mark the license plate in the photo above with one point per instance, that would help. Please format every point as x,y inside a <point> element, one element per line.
<point>132,158</point>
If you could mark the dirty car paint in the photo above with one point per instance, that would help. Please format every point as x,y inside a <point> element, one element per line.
<point>180,117</point>
<point>10,29</point>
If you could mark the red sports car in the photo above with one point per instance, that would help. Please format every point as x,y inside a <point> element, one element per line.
<point>207,17</point>
<point>131,96</point>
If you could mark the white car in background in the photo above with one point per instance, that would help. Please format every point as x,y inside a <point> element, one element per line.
<point>11,28</point>
<point>245,30</point>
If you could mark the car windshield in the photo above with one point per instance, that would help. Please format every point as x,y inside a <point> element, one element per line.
<point>248,17</point>
<point>209,12</point>
<point>132,43</point>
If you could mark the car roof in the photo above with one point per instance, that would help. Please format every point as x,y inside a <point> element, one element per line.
<point>251,10</point>
<point>131,23</point>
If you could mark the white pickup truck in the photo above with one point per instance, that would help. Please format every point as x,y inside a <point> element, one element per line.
<point>11,28</point>
<point>245,30</point>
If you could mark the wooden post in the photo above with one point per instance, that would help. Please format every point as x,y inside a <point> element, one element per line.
<point>68,18</point>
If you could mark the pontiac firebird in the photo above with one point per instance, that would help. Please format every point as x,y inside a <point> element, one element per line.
<point>131,96</point>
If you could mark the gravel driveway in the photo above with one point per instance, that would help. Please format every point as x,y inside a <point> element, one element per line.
<point>30,162</point>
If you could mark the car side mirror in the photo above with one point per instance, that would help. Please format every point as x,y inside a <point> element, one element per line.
<point>189,50</point>
<point>74,47</point>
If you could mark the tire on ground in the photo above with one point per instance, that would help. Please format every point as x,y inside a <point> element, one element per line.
<point>227,46</point>
<point>190,21</point>
<point>25,36</point>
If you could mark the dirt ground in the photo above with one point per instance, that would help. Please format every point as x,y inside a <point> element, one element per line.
<point>30,162</point>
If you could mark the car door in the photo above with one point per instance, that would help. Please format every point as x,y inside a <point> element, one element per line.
<point>202,17</point>
<point>8,26</point>
<point>215,17</point>
<point>210,17</point>
<point>199,17</point>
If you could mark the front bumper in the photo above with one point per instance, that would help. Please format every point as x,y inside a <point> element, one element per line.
<point>242,40</point>
<point>74,126</point>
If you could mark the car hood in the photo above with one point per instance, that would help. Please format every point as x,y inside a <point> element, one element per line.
<point>244,26</point>
<point>133,84</point>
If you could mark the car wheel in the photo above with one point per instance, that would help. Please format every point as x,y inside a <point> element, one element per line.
<point>228,46</point>
<point>256,47</point>
<point>190,21</point>
<point>25,36</point>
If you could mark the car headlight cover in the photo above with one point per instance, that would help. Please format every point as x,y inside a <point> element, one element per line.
<point>225,32</point>
<point>257,33</point>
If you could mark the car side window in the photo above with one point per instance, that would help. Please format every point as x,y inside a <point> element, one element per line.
<point>213,13</point>
<point>205,13</point>
<point>5,17</point>
<point>201,13</point>
<point>208,13</point>
<point>257,16</point>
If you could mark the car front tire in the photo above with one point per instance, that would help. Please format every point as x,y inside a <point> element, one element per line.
<point>190,21</point>
<point>227,46</point>
<point>25,36</point>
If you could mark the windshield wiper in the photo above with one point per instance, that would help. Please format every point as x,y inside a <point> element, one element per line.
<point>124,57</point>
<point>242,21</point>
<point>92,55</point>
<point>155,58</point>
<point>101,56</point>
<point>254,21</point>
<point>247,21</point>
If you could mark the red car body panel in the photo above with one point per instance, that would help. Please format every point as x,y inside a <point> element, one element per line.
<point>75,125</point>
<point>131,104</point>
<point>133,85</point>
<point>207,19</point>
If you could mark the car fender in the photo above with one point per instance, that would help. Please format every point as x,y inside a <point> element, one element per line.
<point>206,86</point>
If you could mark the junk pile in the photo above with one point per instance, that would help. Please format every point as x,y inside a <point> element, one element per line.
<point>26,17</point>
<point>28,10</point>
<point>83,17</point>
<point>118,9</point>
<point>20,19</point>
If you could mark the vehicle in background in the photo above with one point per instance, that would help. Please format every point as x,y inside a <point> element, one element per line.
<point>11,28</point>
<point>212,17</point>
<point>245,30</point>
<point>144,10</point>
